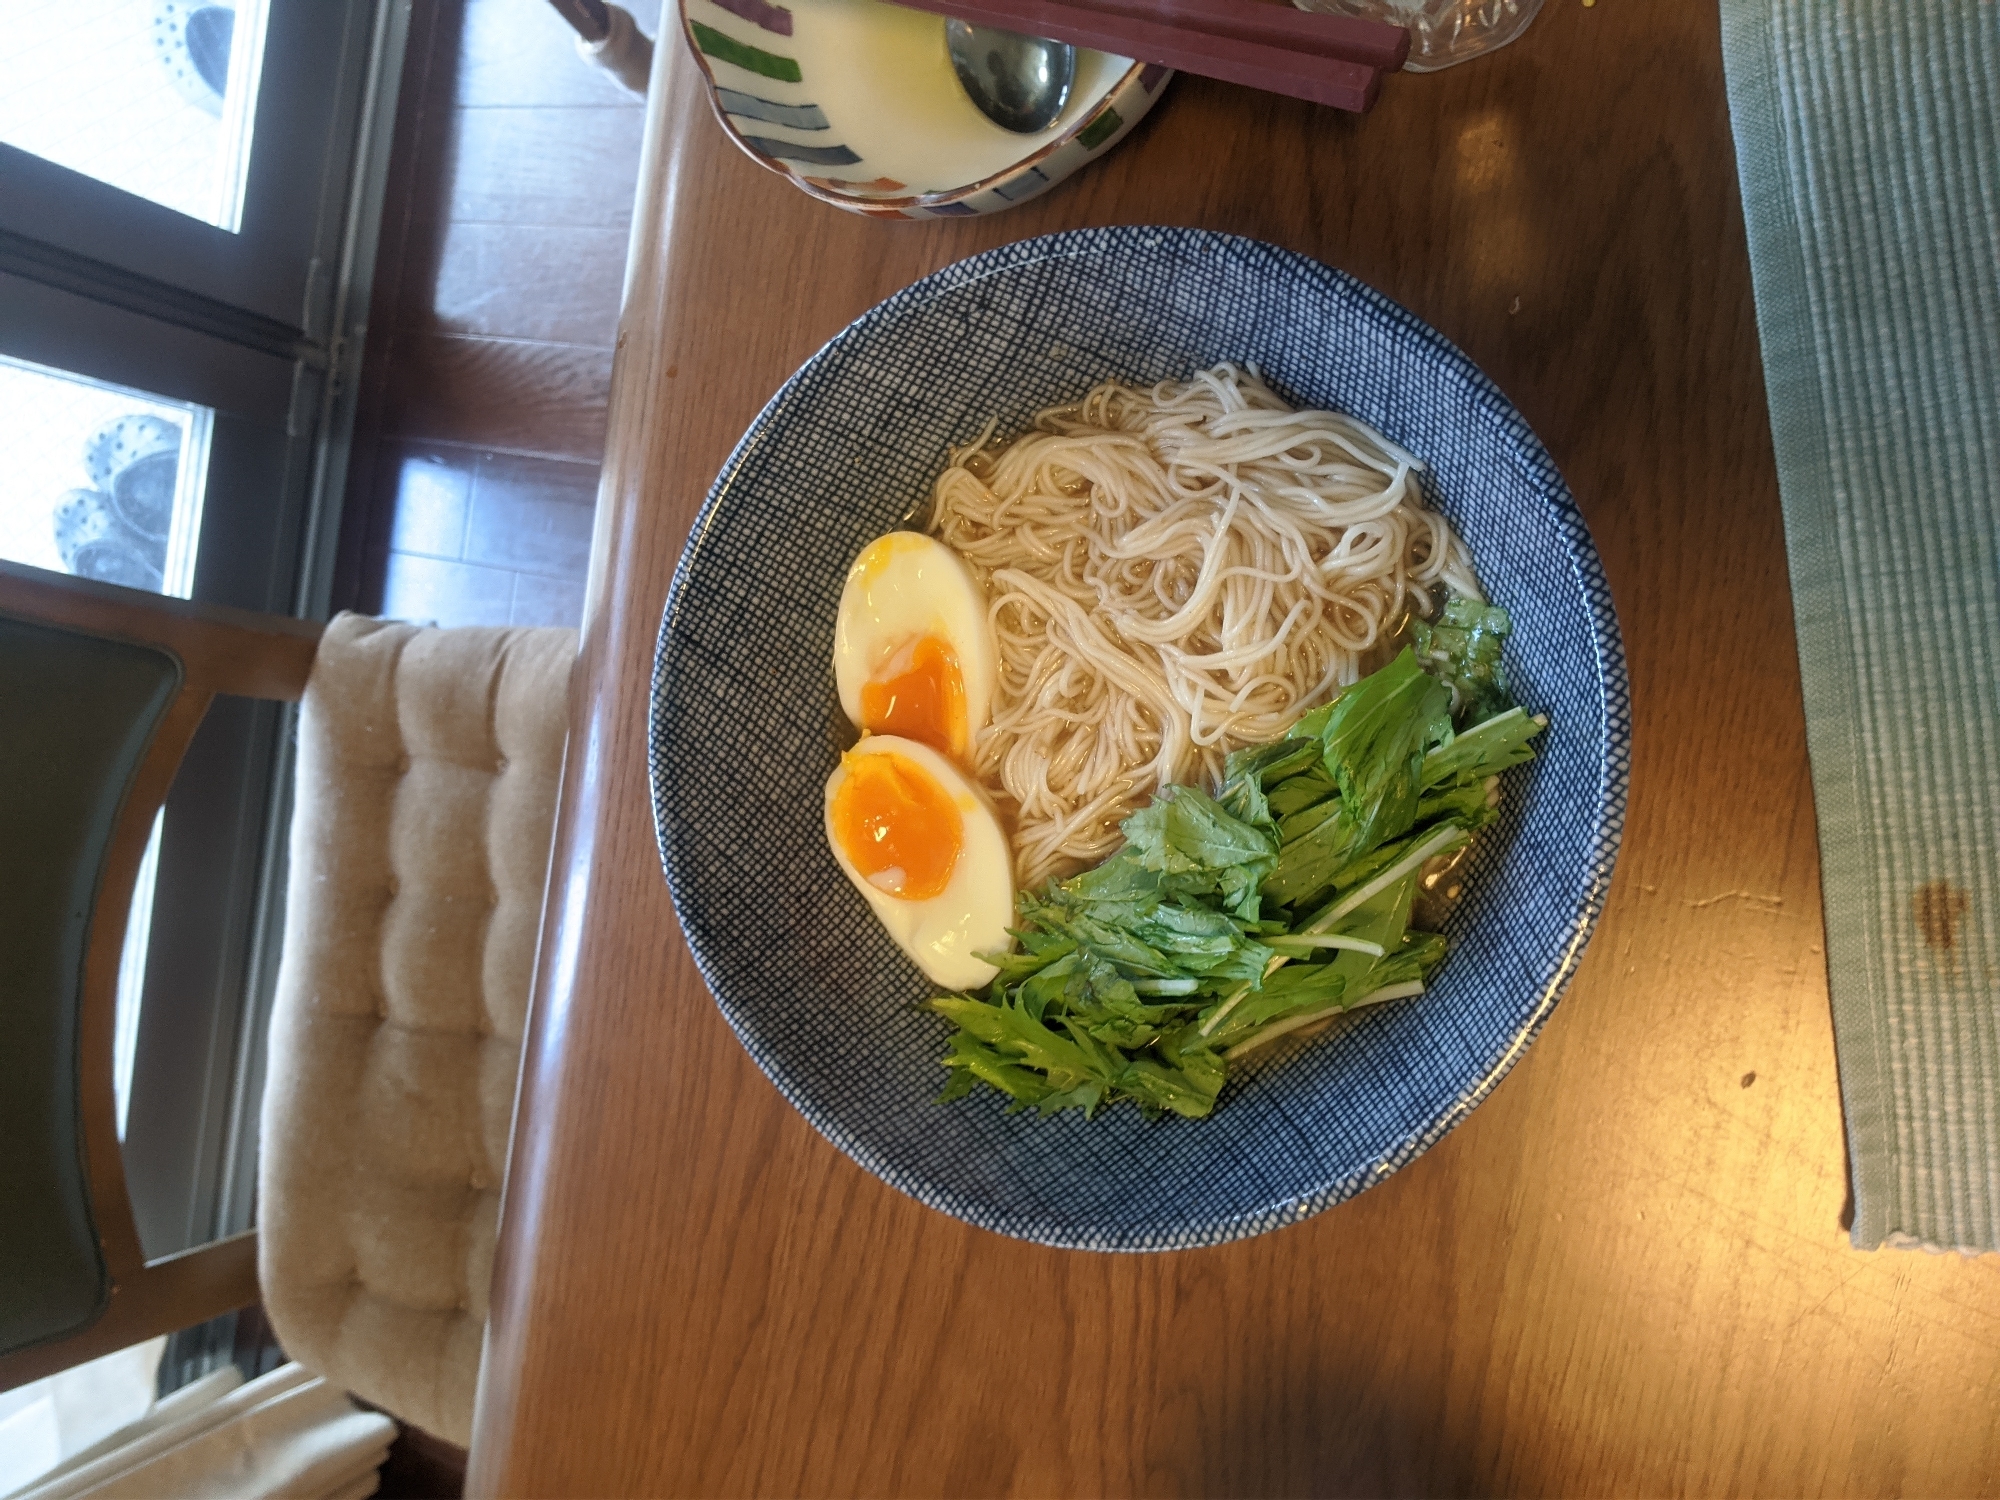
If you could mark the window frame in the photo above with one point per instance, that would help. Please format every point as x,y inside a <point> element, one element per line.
<point>265,328</point>
<point>280,264</point>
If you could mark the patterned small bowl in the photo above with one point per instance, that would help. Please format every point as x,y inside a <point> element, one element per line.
<point>745,726</point>
<point>856,103</point>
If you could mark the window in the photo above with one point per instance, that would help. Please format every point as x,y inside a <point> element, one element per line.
<point>105,482</point>
<point>158,100</point>
<point>189,204</point>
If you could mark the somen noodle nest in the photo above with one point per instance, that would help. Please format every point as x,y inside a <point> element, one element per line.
<point>1174,573</point>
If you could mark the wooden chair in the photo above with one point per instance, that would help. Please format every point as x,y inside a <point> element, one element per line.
<point>101,690</point>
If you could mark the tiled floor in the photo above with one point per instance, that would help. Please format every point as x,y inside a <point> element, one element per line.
<point>485,538</point>
<point>482,404</point>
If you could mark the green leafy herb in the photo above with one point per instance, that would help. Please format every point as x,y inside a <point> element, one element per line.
<point>1229,922</point>
<point>1375,740</point>
<point>1204,849</point>
<point>1463,647</point>
<point>1486,749</point>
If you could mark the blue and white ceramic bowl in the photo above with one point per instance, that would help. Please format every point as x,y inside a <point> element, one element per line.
<point>855,103</point>
<point>745,728</point>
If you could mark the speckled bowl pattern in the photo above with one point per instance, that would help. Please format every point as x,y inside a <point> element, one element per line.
<point>744,728</point>
<point>773,99</point>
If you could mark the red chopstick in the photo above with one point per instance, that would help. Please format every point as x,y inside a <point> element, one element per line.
<point>1328,61</point>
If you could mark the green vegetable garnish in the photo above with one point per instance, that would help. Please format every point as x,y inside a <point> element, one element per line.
<point>1231,921</point>
<point>1463,647</point>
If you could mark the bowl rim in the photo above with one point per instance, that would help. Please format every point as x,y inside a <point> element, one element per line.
<point>1524,449</point>
<point>1130,78</point>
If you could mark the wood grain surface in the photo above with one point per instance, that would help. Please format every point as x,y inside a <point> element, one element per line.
<point>1625,1274</point>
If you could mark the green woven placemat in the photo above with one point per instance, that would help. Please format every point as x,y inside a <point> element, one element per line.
<point>1868,145</point>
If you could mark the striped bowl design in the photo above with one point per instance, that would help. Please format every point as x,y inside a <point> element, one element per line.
<point>760,83</point>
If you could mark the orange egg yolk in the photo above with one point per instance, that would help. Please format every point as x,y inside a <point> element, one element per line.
<point>896,825</point>
<point>919,695</point>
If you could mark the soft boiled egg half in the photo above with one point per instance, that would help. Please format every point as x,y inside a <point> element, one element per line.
<point>913,648</point>
<point>920,842</point>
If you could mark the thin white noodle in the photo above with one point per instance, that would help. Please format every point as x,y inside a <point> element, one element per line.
<point>1174,573</point>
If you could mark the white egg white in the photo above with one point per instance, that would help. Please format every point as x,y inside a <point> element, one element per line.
<point>902,587</point>
<point>972,913</point>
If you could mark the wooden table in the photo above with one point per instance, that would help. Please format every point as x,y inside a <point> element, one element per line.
<point>1626,1273</point>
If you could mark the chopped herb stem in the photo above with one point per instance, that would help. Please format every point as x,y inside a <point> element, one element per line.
<point>1296,1023</point>
<point>1450,836</point>
<point>1485,727</point>
<point>1208,1026</point>
<point>1324,940</point>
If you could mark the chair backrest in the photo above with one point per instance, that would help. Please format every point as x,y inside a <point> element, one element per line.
<point>101,690</point>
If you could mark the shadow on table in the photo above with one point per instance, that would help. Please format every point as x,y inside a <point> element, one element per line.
<point>1340,1429</point>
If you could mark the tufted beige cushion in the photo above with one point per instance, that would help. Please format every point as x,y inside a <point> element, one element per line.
<point>427,774</point>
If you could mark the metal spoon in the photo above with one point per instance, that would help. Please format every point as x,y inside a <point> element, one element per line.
<point>1020,83</point>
